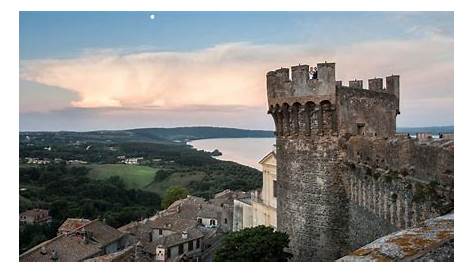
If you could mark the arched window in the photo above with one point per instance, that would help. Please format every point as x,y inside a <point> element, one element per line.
<point>325,116</point>
<point>295,113</point>
<point>309,110</point>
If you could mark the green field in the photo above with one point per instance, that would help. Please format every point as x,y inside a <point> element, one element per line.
<point>134,176</point>
<point>141,177</point>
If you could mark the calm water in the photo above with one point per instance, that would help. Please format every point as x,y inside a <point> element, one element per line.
<point>245,151</point>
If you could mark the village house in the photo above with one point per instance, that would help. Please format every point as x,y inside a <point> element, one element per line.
<point>132,161</point>
<point>188,230</point>
<point>35,216</point>
<point>216,213</point>
<point>260,208</point>
<point>76,162</point>
<point>184,246</point>
<point>37,161</point>
<point>87,241</point>
<point>164,239</point>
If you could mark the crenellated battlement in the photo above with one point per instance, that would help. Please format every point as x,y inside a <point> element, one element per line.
<point>392,84</point>
<point>316,84</point>
<point>310,102</point>
<point>283,87</point>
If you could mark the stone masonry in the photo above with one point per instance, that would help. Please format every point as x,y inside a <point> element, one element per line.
<point>344,177</point>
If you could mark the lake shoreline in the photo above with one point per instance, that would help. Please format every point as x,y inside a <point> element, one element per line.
<point>246,151</point>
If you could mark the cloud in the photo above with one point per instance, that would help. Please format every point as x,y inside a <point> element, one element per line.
<point>229,76</point>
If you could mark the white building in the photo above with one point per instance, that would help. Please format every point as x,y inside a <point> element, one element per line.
<point>260,208</point>
<point>132,161</point>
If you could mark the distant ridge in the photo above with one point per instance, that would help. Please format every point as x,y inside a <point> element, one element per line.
<point>193,133</point>
<point>434,130</point>
<point>177,134</point>
<point>182,134</point>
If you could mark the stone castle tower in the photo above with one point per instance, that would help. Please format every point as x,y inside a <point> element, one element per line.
<point>314,115</point>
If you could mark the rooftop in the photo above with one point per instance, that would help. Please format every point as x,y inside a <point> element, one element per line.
<point>172,223</point>
<point>70,247</point>
<point>72,224</point>
<point>35,212</point>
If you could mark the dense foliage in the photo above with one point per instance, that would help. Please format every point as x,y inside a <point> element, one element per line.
<point>68,193</point>
<point>173,194</point>
<point>257,244</point>
<point>31,235</point>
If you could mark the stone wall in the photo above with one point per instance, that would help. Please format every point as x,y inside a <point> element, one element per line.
<point>365,226</point>
<point>396,183</point>
<point>413,179</point>
<point>365,112</point>
<point>312,204</point>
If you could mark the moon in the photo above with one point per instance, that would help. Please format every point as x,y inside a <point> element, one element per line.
<point>152,16</point>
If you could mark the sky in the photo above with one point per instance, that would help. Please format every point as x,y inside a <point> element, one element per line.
<point>114,70</point>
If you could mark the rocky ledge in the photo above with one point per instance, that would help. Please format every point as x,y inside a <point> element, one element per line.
<point>432,241</point>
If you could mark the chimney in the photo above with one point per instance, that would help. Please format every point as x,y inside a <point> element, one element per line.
<point>86,235</point>
<point>184,234</point>
<point>54,256</point>
<point>138,251</point>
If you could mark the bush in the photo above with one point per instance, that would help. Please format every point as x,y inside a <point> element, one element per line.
<point>257,244</point>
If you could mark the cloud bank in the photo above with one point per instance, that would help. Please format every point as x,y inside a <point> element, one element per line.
<point>229,76</point>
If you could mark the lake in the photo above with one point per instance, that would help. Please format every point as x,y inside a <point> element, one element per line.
<point>245,151</point>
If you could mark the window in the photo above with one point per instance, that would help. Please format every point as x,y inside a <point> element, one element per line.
<point>275,188</point>
<point>225,220</point>
<point>190,246</point>
<point>360,129</point>
<point>199,220</point>
<point>181,249</point>
<point>213,222</point>
<point>160,231</point>
<point>198,243</point>
<point>168,252</point>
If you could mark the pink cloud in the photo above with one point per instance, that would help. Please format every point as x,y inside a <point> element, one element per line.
<point>234,74</point>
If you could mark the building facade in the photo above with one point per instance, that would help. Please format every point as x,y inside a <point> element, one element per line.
<point>35,216</point>
<point>260,208</point>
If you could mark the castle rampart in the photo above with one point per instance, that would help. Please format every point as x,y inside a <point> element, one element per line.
<point>344,177</point>
<point>400,181</point>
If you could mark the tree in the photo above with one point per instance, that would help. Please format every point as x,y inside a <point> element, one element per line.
<point>173,194</point>
<point>256,244</point>
<point>161,174</point>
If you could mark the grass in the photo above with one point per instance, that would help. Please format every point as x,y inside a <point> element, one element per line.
<point>134,176</point>
<point>176,179</point>
<point>141,177</point>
